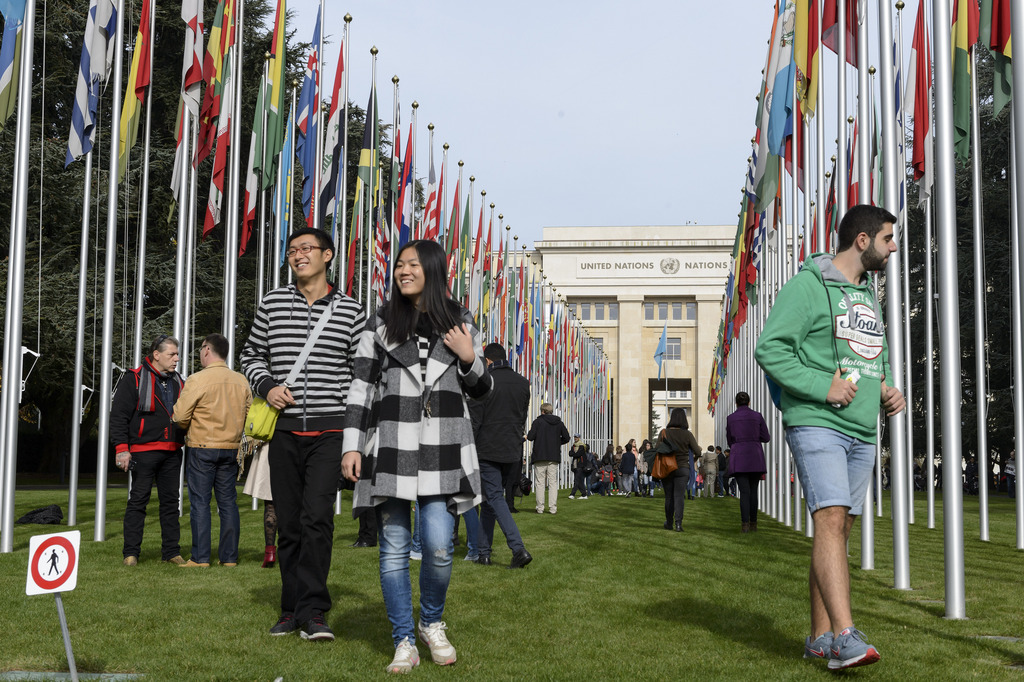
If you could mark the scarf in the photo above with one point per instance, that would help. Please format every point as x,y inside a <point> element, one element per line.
<point>148,376</point>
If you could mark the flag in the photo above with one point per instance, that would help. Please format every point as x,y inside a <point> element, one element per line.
<point>191,80</point>
<point>252,179</point>
<point>919,95</point>
<point>852,167</point>
<point>467,228</point>
<point>215,197</point>
<point>766,171</point>
<point>965,35</point>
<point>403,218</point>
<point>306,127</point>
<point>334,149</point>
<point>830,28</point>
<point>287,177</point>
<point>93,71</point>
<point>994,30</point>
<point>222,38</point>
<point>365,177</point>
<point>659,354</point>
<point>273,138</point>
<point>452,240</point>
<point>805,54</point>
<point>138,81</point>
<point>781,117</point>
<point>429,225</point>
<point>10,56</point>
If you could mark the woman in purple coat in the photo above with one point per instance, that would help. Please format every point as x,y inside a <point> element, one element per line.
<point>745,430</point>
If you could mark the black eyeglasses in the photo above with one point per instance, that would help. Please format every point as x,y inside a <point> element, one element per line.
<point>304,249</point>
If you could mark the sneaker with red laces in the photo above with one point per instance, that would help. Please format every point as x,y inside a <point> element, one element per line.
<point>286,625</point>
<point>441,650</point>
<point>317,630</point>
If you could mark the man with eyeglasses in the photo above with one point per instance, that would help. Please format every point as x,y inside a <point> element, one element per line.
<point>211,409</point>
<point>305,451</point>
<point>147,442</point>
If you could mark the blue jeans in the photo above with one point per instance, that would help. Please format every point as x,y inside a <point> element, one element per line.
<point>394,529</point>
<point>495,508</point>
<point>834,468</point>
<point>215,471</point>
<point>416,546</point>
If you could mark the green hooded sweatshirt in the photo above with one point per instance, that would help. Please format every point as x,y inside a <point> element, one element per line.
<point>821,322</point>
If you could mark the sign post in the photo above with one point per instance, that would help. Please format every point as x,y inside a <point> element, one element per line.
<point>53,568</point>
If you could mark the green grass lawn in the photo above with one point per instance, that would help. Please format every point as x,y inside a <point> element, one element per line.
<point>609,595</point>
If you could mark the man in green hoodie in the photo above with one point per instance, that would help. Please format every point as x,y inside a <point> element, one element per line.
<point>824,345</point>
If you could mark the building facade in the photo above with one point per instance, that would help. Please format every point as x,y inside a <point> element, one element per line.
<point>628,286</point>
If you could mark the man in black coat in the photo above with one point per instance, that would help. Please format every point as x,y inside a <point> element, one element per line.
<point>498,424</point>
<point>548,435</point>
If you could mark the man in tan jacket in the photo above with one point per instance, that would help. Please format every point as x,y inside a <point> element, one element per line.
<point>212,408</point>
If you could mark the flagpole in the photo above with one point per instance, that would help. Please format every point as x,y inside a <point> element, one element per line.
<point>11,387</point>
<point>908,384</point>
<point>394,229</point>
<point>106,371</point>
<point>842,174</point>
<point>430,164</point>
<point>140,281</point>
<point>819,150</point>
<point>231,232</point>
<point>949,331</point>
<point>314,209</point>
<point>183,202</point>
<point>442,226</point>
<point>980,384</point>
<point>1016,261</point>
<point>341,200</point>
<point>412,173</point>
<point>261,230</point>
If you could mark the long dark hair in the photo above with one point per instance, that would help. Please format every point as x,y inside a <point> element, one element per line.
<point>678,419</point>
<point>401,316</point>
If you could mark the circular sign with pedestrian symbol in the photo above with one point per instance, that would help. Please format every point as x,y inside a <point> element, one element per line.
<point>53,563</point>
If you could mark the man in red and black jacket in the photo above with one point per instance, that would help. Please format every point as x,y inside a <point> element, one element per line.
<point>147,442</point>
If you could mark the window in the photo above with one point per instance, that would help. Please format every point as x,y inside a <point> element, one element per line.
<point>648,311</point>
<point>613,311</point>
<point>584,311</point>
<point>599,311</point>
<point>677,310</point>
<point>691,311</point>
<point>673,348</point>
<point>663,311</point>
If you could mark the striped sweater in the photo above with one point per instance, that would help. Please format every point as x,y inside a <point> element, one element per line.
<point>282,325</point>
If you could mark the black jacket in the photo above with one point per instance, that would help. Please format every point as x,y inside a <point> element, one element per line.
<point>136,431</point>
<point>499,419</point>
<point>548,434</point>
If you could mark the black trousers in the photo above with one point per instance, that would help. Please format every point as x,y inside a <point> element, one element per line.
<point>163,467</point>
<point>368,527</point>
<point>579,482</point>
<point>304,482</point>
<point>675,494</point>
<point>748,496</point>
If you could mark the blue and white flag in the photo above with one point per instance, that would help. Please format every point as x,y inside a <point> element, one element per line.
<point>287,173</point>
<point>93,71</point>
<point>659,354</point>
<point>10,56</point>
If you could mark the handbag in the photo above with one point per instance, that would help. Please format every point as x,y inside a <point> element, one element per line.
<point>664,466</point>
<point>261,418</point>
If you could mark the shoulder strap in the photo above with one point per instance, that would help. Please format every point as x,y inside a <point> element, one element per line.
<point>300,361</point>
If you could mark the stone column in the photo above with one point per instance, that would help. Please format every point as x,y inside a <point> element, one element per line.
<point>630,379</point>
<point>709,314</point>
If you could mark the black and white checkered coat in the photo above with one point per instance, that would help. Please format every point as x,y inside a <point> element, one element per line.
<point>416,436</point>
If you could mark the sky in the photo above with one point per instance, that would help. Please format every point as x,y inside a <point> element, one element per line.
<point>570,113</point>
<point>574,113</point>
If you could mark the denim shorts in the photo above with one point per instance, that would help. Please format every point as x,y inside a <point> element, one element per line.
<point>835,469</point>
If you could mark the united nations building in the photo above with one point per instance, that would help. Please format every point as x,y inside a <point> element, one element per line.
<point>627,285</point>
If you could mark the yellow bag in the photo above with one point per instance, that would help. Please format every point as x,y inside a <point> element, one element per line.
<point>261,420</point>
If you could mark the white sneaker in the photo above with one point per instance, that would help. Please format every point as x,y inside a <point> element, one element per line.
<point>441,650</point>
<point>406,658</point>
<point>572,497</point>
<point>415,556</point>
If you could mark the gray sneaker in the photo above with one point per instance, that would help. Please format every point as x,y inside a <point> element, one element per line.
<point>819,648</point>
<point>849,650</point>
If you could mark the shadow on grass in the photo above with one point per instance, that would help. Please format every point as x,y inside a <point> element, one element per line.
<point>747,628</point>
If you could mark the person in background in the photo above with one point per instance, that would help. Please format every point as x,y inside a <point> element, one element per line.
<point>683,445</point>
<point>548,434</point>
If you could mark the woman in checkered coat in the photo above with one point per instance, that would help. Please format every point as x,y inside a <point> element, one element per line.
<point>408,437</point>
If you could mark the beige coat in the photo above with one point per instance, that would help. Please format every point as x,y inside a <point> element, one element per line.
<point>212,407</point>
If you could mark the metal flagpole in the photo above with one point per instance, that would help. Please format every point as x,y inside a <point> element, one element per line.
<point>842,170</point>
<point>442,227</point>
<point>11,387</point>
<point>372,193</point>
<point>1017,262</point>
<point>430,164</point>
<point>231,232</point>
<point>904,255</point>
<point>980,353</point>
<point>183,205</point>
<point>77,399</point>
<point>106,371</point>
<point>819,149</point>
<point>395,230</point>
<point>140,281</point>
<point>894,295</point>
<point>412,172</point>
<point>928,470</point>
<point>314,201</point>
<point>949,332</point>
<point>341,196</point>
<point>261,229</point>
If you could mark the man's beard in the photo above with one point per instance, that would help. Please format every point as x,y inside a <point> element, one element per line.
<point>872,259</point>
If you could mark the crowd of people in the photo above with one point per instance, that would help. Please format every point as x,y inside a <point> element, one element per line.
<point>426,423</point>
